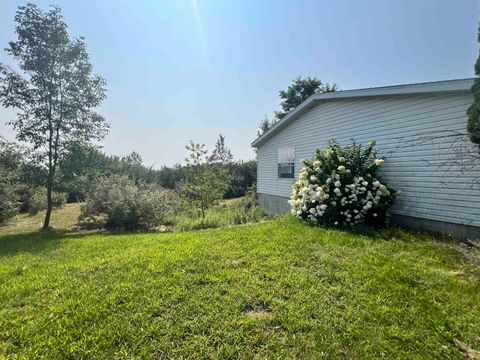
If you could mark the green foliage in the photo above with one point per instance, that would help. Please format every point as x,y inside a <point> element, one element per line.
<point>265,124</point>
<point>81,165</point>
<point>341,186</point>
<point>24,194</point>
<point>242,175</point>
<point>8,199</point>
<point>206,182</point>
<point>19,164</point>
<point>297,92</point>
<point>473,112</point>
<point>250,200</point>
<point>58,199</point>
<point>128,205</point>
<point>276,290</point>
<point>227,213</point>
<point>221,153</point>
<point>171,177</point>
<point>37,201</point>
<point>55,93</point>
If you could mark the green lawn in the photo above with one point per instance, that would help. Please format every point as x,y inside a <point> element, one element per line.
<point>279,289</point>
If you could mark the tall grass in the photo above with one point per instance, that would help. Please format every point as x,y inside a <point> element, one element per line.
<point>227,213</point>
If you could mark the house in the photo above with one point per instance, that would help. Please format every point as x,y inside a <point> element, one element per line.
<point>419,128</point>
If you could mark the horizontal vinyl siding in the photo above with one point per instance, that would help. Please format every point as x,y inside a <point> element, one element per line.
<point>416,134</point>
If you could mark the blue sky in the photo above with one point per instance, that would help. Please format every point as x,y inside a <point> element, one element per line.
<point>180,70</point>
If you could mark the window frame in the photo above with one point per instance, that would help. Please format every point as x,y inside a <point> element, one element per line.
<point>286,159</point>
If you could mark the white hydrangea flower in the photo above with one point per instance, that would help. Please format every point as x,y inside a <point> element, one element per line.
<point>323,207</point>
<point>338,183</point>
<point>379,162</point>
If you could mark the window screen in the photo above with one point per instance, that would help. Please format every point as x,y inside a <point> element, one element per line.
<point>286,162</point>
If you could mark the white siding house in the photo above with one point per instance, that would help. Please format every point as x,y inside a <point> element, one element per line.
<point>419,128</point>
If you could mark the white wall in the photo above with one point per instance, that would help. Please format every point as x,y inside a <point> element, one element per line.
<point>416,133</point>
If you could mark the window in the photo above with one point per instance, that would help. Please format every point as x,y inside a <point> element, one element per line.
<point>286,162</point>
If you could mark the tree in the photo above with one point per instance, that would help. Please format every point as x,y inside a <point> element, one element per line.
<point>265,124</point>
<point>473,112</point>
<point>297,92</point>
<point>222,153</point>
<point>55,93</point>
<point>206,180</point>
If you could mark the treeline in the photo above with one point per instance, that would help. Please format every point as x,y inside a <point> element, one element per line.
<point>83,164</point>
<point>22,179</point>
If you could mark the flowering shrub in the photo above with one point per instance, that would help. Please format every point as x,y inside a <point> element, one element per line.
<point>341,187</point>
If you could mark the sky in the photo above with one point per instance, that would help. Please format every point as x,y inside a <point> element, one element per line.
<point>181,70</point>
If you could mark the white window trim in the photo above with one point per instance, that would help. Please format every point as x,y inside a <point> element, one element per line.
<point>286,157</point>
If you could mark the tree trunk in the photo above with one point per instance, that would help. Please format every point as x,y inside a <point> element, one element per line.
<point>46,223</point>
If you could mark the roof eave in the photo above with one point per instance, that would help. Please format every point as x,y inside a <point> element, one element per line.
<point>448,86</point>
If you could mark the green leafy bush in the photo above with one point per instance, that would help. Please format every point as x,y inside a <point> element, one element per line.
<point>24,194</point>
<point>341,186</point>
<point>250,200</point>
<point>58,199</point>
<point>8,202</point>
<point>125,204</point>
<point>38,201</point>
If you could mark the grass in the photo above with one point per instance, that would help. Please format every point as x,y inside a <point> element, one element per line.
<point>279,289</point>
<point>62,220</point>
<point>227,213</point>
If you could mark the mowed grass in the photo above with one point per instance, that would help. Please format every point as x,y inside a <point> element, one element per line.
<point>62,219</point>
<point>279,289</point>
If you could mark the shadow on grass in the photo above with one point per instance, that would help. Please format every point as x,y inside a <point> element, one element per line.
<point>36,241</point>
<point>40,241</point>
